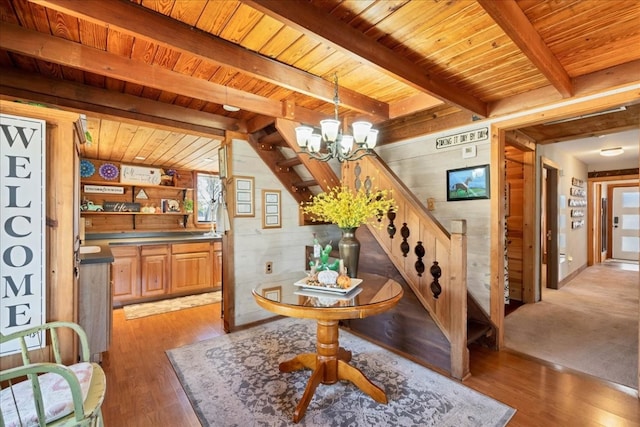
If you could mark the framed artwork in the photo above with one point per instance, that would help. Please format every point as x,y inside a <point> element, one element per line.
<point>243,196</point>
<point>271,209</point>
<point>274,294</point>
<point>468,183</point>
<point>222,162</point>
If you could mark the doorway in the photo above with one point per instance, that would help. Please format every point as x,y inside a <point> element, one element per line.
<point>549,253</point>
<point>623,221</point>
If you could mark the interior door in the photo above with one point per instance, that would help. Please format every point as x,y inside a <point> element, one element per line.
<point>549,228</point>
<point>625,220</point>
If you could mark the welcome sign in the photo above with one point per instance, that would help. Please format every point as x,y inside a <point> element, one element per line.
<point>22,234</point>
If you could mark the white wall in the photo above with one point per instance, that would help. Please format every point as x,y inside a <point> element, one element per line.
<point>422,167</point>
<point>572,243</point>
<point>254,246</point>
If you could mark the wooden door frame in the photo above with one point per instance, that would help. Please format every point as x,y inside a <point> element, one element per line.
<point>553,260</point>
<point>499,127</point>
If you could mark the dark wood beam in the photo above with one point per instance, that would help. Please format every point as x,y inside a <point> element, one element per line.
<point>103,103</point>
<point>311,20</point>
<point>63,52</point>
<point>164,31</point>
<point>515,23</point>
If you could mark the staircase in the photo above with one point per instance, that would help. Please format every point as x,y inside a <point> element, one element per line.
<point>430,260</point>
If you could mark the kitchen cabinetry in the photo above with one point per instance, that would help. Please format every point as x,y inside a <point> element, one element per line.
<point>94,307</point>
<point>191,266</point>
<point>154,277</point>
<point>147,272</point>
<point>124,270</point>
<point>217,264</point>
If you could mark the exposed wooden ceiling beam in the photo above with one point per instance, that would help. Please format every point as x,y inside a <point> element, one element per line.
<point>145,24</point>
<point>108,104</point>
<point>314,21</point>
<point>517,26</point>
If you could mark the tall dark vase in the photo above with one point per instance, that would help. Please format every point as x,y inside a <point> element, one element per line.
<point>349,248</point>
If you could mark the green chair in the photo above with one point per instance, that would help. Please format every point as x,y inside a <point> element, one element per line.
<point>51,394</point>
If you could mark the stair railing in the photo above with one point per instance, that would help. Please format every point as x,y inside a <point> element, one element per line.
<point>413,237</point>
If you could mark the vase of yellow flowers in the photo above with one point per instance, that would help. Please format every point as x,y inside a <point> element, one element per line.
<point>349,209</point>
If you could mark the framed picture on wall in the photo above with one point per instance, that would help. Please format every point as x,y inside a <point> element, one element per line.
<point>468,183</point>
<point>243,196</point>
<point>222,162</point>
<point>271,215</point>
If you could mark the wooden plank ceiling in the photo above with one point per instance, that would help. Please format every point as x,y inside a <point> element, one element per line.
<point>153,75</point>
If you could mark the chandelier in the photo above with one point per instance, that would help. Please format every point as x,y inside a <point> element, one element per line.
<point>337,145</point>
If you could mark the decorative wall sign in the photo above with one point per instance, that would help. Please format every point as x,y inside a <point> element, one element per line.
<point>577,224</point>
<point>23,243</point>
<point>140,175</point>
<point>103,189</point>
<point>271,216</point>
<point>475,135</point>
<point>121,207</point>
<point>243,196</point>
<point>468,183</point>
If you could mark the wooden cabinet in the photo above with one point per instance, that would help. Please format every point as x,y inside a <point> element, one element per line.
<point>147,271</point>
<point>94,308</point>
<point>154,274</point>
<point>217,264</point>
<point>191,266</point>
<point>125,273</point>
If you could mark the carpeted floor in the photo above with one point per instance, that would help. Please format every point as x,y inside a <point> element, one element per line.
<point>233,380</point>
<point>589,325</point>
<point>135,311</point>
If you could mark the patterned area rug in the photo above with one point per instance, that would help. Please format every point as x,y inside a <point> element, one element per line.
<point>135,311</point>
<point>233,380</point>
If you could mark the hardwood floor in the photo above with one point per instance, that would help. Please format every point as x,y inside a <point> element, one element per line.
<point>143,390</point>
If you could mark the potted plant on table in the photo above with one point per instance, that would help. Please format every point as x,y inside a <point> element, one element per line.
<point>349,209</point>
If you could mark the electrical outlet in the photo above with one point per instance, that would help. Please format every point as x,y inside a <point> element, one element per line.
<point>268,267</point>
<point>431,203</point>
<point>88,222</point>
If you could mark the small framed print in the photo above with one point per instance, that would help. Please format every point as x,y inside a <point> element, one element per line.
<point>271,210</point>
<point>222,162</point>
<point>274,294</point>
<point>243,196</point>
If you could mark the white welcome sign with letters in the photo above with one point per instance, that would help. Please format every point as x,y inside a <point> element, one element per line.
<point>22,234</point>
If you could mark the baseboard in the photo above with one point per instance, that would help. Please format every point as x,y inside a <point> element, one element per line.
<point>571,276</point>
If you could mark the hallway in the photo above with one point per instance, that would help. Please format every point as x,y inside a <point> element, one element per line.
<point>590,325</point>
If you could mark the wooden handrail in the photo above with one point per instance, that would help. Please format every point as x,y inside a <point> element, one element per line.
<point>449,249</point>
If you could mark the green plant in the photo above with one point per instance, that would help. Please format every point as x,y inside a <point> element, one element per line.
<point>188,205</point>
<point>347,208</point>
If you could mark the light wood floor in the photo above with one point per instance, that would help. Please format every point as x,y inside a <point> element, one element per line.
<point>142,389</point>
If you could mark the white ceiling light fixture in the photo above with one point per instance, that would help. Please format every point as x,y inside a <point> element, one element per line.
<point>337,145</point>
<point>610,152</point>
<point>230,108</point>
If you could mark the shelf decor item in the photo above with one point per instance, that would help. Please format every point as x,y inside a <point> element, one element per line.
<point>87,169</point>
<point>350,209</point>
<point>108,171</point>
<point>188,205</point>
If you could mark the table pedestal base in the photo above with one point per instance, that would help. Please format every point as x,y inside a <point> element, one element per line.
<point>330,364</point>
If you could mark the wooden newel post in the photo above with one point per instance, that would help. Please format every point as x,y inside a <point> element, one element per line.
<point>458,299</point>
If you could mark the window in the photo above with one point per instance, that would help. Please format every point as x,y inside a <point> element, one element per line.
<point>208,192</point>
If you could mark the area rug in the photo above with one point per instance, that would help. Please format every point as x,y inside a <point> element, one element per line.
<point>135,311</point>
<point>233,380</point>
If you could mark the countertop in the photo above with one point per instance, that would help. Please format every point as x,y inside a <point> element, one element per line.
<point>105,255</point>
